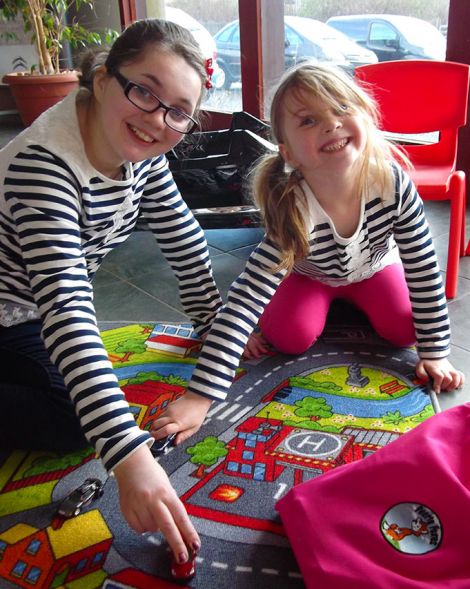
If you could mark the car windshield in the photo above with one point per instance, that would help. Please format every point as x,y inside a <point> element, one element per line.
<point>345,44</point>
<point>318,33</point>
<point>423,34</point>
<point>199,32</point>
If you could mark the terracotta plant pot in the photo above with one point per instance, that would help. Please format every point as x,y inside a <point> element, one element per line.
<point>34,94</point>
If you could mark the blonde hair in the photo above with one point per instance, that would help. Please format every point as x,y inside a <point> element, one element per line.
<point>276,188</point>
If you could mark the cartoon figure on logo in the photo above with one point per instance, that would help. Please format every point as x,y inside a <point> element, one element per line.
<point>397,533</point>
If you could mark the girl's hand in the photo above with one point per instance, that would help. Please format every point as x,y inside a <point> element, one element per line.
<point>444,376</point>
<point>184,417</point>
<point>256,346</point>
<point>149,503</point>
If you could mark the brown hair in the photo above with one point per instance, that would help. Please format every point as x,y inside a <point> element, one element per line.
<point>276,187</point>
<point>134,41</point>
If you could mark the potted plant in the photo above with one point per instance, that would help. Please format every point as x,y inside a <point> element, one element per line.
<point>50,25</point>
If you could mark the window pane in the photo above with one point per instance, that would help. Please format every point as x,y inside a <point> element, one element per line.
<point>33,547</point>
<point>207,22</point>
<point>19,568</point>
<point>33,575</point>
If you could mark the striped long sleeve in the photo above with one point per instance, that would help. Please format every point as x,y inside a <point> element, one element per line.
<point>424,280</point>
<point>184,245</point>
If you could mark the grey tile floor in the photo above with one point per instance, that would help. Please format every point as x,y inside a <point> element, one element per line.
<point>136,284</point>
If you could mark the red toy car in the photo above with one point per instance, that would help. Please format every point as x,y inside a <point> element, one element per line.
<point>185,571</point>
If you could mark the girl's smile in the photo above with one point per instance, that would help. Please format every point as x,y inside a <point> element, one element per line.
<point>141,135</point>
<point>335,145</point>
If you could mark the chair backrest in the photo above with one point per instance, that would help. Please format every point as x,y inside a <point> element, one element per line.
<point>421,96</point>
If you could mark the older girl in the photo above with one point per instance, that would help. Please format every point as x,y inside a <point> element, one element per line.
<point>71,188</point>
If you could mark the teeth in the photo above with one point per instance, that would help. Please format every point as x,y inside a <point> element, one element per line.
<point>141,135</point>
<point>336,146</point>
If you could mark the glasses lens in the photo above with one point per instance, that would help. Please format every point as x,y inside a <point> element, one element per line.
<point>142,98</point>
<point>178,120</point>
<point>146,101</point>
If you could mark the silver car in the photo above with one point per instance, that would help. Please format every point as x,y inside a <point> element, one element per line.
<point>72,505</point>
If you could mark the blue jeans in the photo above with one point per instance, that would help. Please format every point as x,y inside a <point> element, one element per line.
<point>36,412</point>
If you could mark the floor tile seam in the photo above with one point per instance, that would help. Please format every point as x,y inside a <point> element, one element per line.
<point>461,297</point>
<point>459,347</point>
<point>222,253</point>
<point>156,299</point>
<point>219,252</point>
<point>242,247</point>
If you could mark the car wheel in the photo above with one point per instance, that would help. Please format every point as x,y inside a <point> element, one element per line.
<point>223,80</point>
<point>218,79</point>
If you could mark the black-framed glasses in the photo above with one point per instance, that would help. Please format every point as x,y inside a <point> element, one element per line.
<point>142,98</point>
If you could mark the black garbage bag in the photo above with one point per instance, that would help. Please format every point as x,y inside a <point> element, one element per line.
<point>211,169</point>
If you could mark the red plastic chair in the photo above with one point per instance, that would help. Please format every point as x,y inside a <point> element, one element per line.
<point>421,96</point>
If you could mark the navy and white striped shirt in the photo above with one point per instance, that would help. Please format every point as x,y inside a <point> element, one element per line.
<point>390,228</point>
<point>59,217</point>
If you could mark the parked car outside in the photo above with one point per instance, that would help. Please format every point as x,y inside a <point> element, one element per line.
<point>304,38</point>
<point>204,39</point>
<point>393,36</point>
<point>330,37</point>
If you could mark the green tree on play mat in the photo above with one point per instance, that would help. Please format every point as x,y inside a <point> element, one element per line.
<point>394,418</point>
<point>206,453</point>
<point>315,408</point>
<point>129,347</point>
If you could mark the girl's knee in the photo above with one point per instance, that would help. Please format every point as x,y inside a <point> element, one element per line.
<point>292,343</point>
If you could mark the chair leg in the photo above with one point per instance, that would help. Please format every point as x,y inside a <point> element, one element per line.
<point>464,229</point>
<point>457,220</point>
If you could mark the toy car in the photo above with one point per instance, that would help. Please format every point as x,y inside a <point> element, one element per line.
<point>185,571</point>
<point>90,490</point>
<point>162,446</point>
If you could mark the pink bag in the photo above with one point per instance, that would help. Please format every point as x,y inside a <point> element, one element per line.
<point>399,518</point>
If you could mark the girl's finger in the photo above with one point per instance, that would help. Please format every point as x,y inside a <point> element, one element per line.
<point>160,423</point>
<point>185,526</point>
<point>171,531</point>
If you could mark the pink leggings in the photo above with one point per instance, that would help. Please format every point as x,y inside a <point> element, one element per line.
<point>295,317</point>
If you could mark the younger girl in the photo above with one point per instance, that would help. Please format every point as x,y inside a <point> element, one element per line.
<point>342,220</point>
<point>71,188</point>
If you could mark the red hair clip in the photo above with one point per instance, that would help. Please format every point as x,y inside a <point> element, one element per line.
<point>209,71</point>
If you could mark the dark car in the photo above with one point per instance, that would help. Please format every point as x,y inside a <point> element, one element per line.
<point>392,36</point>
<point>72,505</point>
<point>161,447</point>
<point>304,38</point>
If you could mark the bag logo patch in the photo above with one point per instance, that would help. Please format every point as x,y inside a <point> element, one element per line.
<point>412,528</point>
